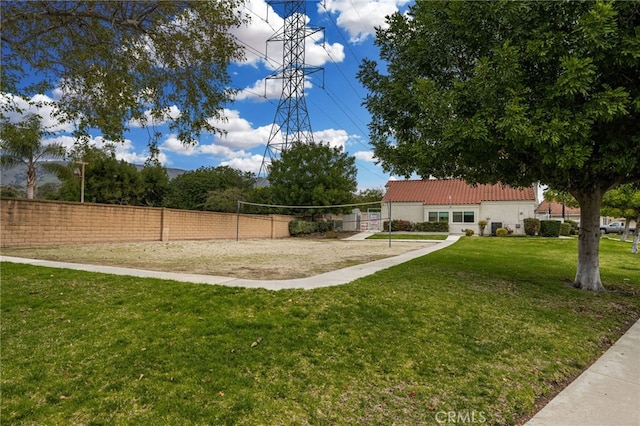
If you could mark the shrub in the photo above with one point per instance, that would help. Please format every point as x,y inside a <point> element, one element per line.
<point>323,226</point>
<point>431,227</point>
<point>550,228</point>
<point>531,226</point>
<point>468,232</point>
<point>397,225</point>
<point>302,227</point>
<point>482,224</point>
<point>574,226</point>
<point>331,234</point>
<point>501,232</point>
<point>565,229</point>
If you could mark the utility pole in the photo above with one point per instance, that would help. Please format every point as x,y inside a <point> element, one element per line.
<point>291,123</point>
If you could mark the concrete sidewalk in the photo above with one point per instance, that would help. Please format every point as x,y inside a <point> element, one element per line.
<point>328,279</point>
<point>606,394</point>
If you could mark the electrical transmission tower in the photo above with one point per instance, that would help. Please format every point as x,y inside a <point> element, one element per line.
<point>291,123</point>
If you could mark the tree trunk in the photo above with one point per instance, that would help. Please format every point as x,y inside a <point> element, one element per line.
<point>31,180</point>
<point>636,237</point>
<point>625,231</point>
<point>588,272</point>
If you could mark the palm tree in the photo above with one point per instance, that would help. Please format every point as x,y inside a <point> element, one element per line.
<point>21,143</point>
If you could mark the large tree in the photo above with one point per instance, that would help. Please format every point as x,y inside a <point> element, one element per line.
<point>155,181</point>
<point>191,190</point>
<point>513,92</point>
<point>21,143</point>
<point>117,61</point>
<point>313,174</point>
<point>107,180</point>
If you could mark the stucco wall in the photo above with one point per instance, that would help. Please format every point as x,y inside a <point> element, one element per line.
<point>509,213</point>
<point>37,223</point>
<point>413,212</point>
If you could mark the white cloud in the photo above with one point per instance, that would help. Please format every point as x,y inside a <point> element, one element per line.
<point>264,23</point>
<point>317,54</point>
<point>173,144</point>
<point>365,156</point>
<point>360,17</point>
<point>240,132</point>
<point>124,150</point>
<point>334,137</point>
<point>42,105</point>
<point>66,141</point>
<point>250,163</point>
<point>262,90</point>
<point>232,150</point>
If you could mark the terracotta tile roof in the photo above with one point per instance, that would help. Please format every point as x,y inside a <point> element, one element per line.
<point>556,209</point>
<point>452,191</point>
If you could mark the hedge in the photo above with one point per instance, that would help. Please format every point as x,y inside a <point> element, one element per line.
<point>550,228</point>
<point>431,227</point>
<point>397,225</point>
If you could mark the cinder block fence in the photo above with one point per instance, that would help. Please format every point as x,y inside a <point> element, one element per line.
<point>37,223</point>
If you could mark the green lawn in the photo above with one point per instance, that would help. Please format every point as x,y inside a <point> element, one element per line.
<point>412,236</point>
<point>484,327</point>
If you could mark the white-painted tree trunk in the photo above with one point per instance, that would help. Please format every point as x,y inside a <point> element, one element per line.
<point>588,272</point>
<point>636,237</point>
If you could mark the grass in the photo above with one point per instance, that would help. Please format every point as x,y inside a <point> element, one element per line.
<point>486,326</point>
<point>412,236</point>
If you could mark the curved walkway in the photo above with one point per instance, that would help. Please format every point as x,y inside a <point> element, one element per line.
<point>327,279</point>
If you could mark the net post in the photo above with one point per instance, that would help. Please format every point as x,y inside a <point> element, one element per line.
<point>238,222</point>
<point>389,223</point>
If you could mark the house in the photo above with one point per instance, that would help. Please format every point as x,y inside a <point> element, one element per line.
<point>553,210</point>
<point>460,204</point>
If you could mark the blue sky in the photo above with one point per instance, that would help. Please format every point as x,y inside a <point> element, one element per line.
<point>333,97</point>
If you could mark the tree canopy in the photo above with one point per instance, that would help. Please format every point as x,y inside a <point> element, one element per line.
<point>119,61</point>
<point>107,180</point>
<point>513,92</point>
<point>191,190</point>
<point>313,174</point>
<point>624,201</point>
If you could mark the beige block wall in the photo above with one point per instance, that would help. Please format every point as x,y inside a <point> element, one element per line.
<point>37,223</point>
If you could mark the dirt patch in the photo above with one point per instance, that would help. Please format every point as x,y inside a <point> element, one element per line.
<point>249,259</point>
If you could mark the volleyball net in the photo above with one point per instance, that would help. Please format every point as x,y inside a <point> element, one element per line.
<point>354,217</point>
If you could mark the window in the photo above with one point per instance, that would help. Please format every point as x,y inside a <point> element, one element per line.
<point>438,216</point>
<point>463,217</point>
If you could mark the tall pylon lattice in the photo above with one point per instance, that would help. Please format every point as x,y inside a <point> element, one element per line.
<point>291,123</point>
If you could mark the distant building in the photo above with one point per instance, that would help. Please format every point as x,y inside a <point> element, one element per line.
<point>553,210</point>
<point>459,204</point>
